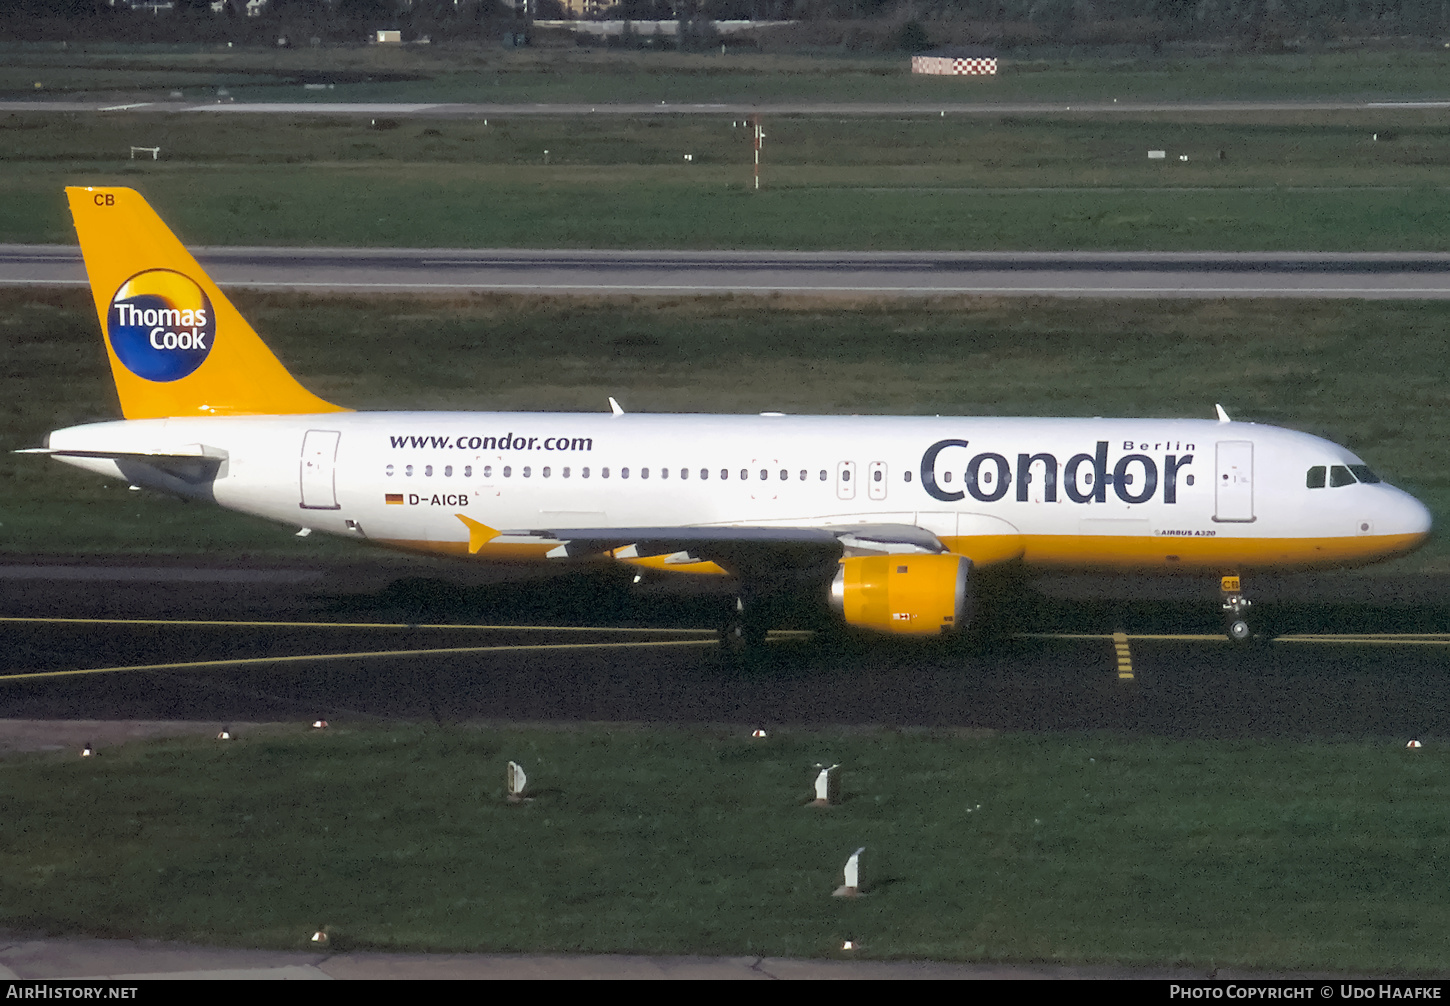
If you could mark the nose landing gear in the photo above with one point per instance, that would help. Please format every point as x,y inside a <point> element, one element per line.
<point>1235,610</point>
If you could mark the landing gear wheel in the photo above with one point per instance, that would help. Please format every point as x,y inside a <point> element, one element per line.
<point>1239,631</point>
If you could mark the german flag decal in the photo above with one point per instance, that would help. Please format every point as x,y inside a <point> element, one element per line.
<point>393,499</point>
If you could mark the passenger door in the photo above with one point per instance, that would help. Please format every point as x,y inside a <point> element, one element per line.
<point>1233,489</point>
<point>319,470</point>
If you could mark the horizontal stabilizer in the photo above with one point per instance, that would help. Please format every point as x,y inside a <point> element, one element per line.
<point>192,453</point>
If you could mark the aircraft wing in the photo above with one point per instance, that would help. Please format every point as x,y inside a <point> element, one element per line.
<point>743,551</point>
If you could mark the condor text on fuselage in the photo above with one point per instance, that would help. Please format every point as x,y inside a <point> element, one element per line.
<point>1085,477</point>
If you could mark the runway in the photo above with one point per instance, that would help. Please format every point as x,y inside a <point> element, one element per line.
<point>445,110</point>
<point>1383,275</point>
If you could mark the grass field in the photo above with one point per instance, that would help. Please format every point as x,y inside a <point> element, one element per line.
<point>488,74</point>
<point>1066,849</point>
<point>1367,374</point>
<point>1300,181</point>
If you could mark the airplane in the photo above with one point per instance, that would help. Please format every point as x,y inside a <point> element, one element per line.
<point>889,521</point>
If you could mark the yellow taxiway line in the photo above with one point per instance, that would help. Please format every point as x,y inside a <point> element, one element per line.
<point>333,625</point>
<point>1383,638</point>
<point>1112,636</point>
<point>1422,638</point>
<point>191,665</point>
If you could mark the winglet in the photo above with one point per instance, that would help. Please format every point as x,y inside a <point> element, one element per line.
<point>614,407</point>
<point>1222,415</point>
<point>479,534</point>
<point>177,346</point>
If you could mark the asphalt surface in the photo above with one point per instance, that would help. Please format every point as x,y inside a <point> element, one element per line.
<point>215,636</point>
<point>127,960</point>
<point>1386,275</point>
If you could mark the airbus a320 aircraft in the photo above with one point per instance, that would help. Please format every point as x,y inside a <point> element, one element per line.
<point>883,518</point>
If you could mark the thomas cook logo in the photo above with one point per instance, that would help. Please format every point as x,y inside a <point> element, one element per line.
<point>161,325</point>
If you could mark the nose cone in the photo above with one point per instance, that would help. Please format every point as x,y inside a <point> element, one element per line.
<point>1408,519</point>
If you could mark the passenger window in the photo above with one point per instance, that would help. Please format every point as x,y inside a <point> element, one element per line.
<point>643,473</point>
<point>428,471</point>
<point>526,471</point>
<point>1363,473</point>
<point>508,471</point>
<point>684,473</point>
<point>764,474</point>
<point>566,473</point>
<point>604,473</point>
<point>488,471</point>
<point>705,474</point>
<point>390,469</point>
<point>448,471</point>
<point>624,473</point>
<point>876,475</point>
<point>823,475</point>
<point>408,471</point>
<point>1340,476</point>
<point>584,473</point>
<point>724,473</point>
<point>664,473</point>
<point>468,471</point>
<point>546,471</point>
<point>1314,478</point>
<point>906,476</point>
<point>803,474</point>
<point>744,475</point>
<point>784,474</point>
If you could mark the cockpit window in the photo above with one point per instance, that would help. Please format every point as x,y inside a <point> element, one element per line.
<point>1314,478</point>
<point>1363,473</point>
<point>1339,475</point>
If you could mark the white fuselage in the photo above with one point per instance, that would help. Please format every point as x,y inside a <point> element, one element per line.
<point>1149,493</point>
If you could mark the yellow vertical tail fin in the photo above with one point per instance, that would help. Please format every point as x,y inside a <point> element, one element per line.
<point>177,346</point>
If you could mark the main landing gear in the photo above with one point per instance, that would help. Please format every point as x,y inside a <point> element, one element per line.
<point>743,634</point>
<point>1235,610</point>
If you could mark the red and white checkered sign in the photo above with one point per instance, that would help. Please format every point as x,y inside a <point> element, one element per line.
<point>954,65</point>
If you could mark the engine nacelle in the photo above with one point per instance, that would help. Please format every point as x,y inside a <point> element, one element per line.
<point>909,595</point>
